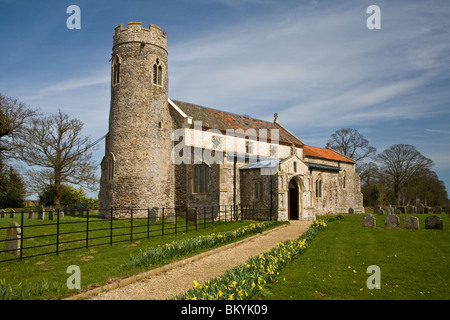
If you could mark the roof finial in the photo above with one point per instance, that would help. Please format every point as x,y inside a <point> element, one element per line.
<point>275,116</point>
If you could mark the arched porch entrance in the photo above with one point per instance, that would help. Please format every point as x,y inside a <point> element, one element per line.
<point>293,200</point>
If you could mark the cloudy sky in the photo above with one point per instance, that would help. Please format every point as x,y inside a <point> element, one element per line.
<point>315,63</point>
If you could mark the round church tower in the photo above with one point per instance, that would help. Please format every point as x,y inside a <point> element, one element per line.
<point>137,171</point>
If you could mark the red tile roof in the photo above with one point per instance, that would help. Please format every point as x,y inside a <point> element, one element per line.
<point>221,120</point>
<point>326,154</point>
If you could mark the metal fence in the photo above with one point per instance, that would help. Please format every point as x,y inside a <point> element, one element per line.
<point>54,232</point>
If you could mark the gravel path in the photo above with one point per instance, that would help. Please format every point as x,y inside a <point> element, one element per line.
<point>178,277</point>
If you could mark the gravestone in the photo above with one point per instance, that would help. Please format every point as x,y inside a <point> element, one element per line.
<point>12,214</point>
<point>51,214</point>
<point>390,209</point>
<point>391,222</point>
<point>411,223</point>
<point>351,211</point>
<point>191,216</point>
<point>171,218</point>
<point>13,238</point>
<point>409,209</point>
<point>368,221</point>
<point>380,212</point>
<point>437,210</point>
<point>420,208</point>
<point>154,215</point>
<point>2,213</point>
<point>397,211</point>
<point>41,213</point>
<point>61,213</point>
<point>433,222</point>
<point>376,208</point>
<point>31,215</point>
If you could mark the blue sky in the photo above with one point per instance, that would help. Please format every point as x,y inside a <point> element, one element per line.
<point>315,63</point>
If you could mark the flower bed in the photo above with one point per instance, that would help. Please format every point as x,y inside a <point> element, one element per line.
<point>187,246</point>
<point>245,281</point>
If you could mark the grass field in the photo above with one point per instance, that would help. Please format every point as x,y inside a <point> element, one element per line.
<point>414,264</point>
<point>98,265</point>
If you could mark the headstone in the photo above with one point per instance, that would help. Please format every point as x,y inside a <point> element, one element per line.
<point>391,222</point>
<point>351,211</point>
<point>41,213</point>
<point>51,214</point>
<point>376,208</point>
<point>437,210</point>
<point>409,209</point>
<point>31,215</point>
<point>171,218</point>
<point>389,209</point>
<point>433,222</point>
<point>420,208</point>
<point>380,212</point>
<point>398,211</point>
<point>12,214</point>
<point>61,214</point>
<point>2,213</point>
<point>411,223</point>
<point>191,216</point>
<point>368,221</point>
<point>13,234</point>
<point>154,215</point>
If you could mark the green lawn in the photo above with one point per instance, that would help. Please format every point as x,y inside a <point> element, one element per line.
<point>414,264</point>
<point>98,264</point>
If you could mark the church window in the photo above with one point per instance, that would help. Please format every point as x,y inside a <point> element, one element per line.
<point>319,188</point>
<point>111,165</point>
<point>295,166</point>
<point>344,181</point>
<point>248,147</point>
<point>201,178</point>
<point>258,190</point>
<point>157,73</point>
<point>116,71</point>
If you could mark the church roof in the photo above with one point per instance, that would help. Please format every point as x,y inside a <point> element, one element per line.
<point>327,154</point>
<point>221,120</point>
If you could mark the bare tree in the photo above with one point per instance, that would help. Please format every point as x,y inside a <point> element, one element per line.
<point>55,144</point>
<point>400,163</point>
<point>351,143</point>
<point>14,115</point>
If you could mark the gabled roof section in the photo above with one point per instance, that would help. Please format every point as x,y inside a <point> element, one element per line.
<point>221,120</point>
<point>326,154</point>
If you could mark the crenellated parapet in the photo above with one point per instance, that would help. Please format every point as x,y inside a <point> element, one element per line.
<point>135,33</point>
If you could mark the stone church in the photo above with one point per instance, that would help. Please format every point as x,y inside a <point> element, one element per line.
<point>165,153</point>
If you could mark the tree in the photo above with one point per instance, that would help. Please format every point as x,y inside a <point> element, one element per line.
<point>14,115</point>
<point>12,188</point>
<point>56,146</point>
<point>399,164</point>
<point>351,143</point>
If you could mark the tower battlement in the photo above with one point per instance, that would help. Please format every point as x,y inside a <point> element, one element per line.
<point>135,33</point>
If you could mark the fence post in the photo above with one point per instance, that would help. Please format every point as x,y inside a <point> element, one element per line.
<point>111,231</point>
<point>162,222</point>
<point>148,222</point>
<point>204,218</point>
<point>57,232</point>
<point>21,236</point>
<point>131,226</point>
<point>87,229</point>
<point>187,219</point>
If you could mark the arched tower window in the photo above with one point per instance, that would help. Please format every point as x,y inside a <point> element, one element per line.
<point>111,165</point>
<point>157,73</point>
<point>116,71</point>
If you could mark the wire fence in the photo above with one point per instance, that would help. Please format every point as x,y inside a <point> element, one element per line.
<point>36,233</point>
